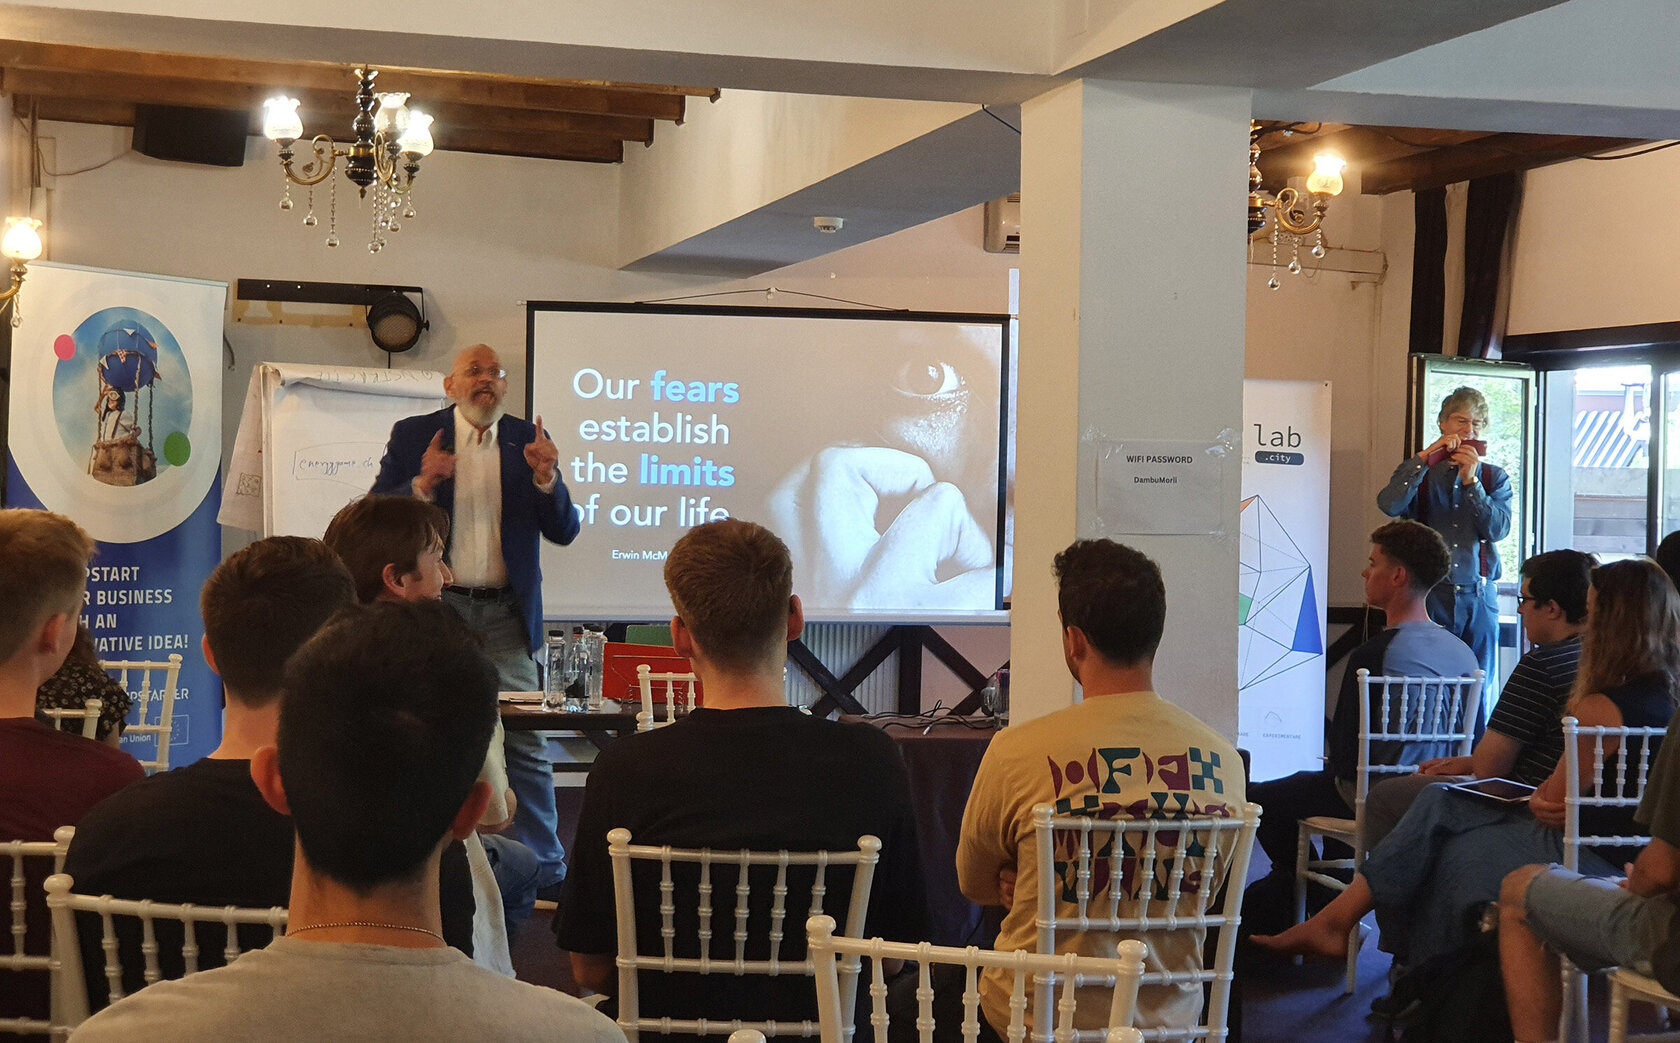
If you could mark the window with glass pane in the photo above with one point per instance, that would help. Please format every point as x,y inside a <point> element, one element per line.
<point>1506,435</point>
<point>1610,460</point>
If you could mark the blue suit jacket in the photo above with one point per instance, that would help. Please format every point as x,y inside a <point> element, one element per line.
<point>526,510</point>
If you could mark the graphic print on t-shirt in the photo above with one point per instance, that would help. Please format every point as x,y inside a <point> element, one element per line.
<point>1117,782</point>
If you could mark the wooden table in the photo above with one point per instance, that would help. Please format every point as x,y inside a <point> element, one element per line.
<point>941,761</point>
<point>600,728</point>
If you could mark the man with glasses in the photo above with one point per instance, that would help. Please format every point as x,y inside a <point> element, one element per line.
<point>499,478</point>
<point>1449,488</point>
<point>1524,737</point>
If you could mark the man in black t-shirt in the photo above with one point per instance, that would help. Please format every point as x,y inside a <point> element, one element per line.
<point>746,771</point>
<point>203,833</point>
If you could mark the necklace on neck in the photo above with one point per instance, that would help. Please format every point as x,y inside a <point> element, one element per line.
<point>366,923</point>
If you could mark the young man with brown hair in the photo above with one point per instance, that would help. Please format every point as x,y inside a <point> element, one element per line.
<point>202,833</point>
<point>48,778</point>
<point>1407,560</point>
<point>383,725</point>
<point>1124,751</point>
<point>393,547</point>
<point>745,771</point>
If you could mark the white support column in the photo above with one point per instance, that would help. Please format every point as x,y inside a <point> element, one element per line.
<point>1133,200</point>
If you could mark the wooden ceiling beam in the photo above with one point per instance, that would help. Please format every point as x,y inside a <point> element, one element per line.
<point>577,147</point>
<point>76,110</point>
<point>533,121</point>
<point>1492,154</point>
<point>323,112</point>
<point>580,148</point>
<point>226,77</point>
<point>1361,146</point>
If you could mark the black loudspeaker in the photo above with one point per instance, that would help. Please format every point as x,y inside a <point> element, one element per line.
<point>215,137</point>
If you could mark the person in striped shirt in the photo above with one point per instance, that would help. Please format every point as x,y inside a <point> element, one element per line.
<point>1524,736</point>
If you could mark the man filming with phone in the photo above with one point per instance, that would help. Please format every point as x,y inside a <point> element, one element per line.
<point>1450,488</point>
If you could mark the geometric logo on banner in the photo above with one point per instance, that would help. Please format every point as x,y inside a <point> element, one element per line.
<point>1277,612</point>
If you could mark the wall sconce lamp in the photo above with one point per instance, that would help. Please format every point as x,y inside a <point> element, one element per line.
<point>21,244</point>
<point>1291,215</point>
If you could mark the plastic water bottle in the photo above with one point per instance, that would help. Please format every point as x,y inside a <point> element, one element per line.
<point>554,663</point>
<point>577,667</point>
<point>595,637</point>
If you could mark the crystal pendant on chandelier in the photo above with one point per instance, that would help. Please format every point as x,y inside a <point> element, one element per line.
<point>332,216</point>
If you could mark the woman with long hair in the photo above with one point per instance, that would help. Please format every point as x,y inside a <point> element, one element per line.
<point>1451,851</point>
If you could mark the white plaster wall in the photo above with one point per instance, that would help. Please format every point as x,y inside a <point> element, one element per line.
<point>699,175</point>
<point>1598,244</point>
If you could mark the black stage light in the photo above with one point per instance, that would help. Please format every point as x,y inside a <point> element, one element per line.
<point>394,323</point>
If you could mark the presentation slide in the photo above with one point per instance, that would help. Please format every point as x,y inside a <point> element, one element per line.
<point>871,443</point>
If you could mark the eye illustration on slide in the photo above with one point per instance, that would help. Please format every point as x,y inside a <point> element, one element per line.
<point>929,378</point>
<point>902,507</point>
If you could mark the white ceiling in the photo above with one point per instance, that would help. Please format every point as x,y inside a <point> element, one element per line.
<point>1599,67</point>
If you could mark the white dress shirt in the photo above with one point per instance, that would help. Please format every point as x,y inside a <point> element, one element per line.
<point>475,545</point>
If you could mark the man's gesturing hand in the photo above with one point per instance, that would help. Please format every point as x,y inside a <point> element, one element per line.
<point>437,465</point>
<point>542,455</point>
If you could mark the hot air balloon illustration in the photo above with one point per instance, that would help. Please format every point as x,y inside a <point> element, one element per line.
<point>123,453</point>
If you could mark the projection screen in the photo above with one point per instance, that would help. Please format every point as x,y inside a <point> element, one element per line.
<point>872,443</point>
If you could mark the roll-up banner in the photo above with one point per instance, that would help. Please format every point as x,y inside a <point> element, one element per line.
<point>1285,523</point>
<point>116,418</point>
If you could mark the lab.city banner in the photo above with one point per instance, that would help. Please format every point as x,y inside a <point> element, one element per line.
<point>116,415</point>
<point>1285,524</point>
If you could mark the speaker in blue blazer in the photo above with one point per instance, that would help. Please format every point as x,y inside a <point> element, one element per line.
<point>528,513</point>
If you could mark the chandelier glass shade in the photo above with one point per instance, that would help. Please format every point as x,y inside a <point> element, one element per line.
<point>389,141</point>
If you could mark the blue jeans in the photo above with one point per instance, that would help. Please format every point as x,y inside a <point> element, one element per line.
<point>530,772</point>
<point>516,869</point>
<point>1472,614</point>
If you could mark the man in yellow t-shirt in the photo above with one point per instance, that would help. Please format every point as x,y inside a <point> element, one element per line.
<point>1122,752</point>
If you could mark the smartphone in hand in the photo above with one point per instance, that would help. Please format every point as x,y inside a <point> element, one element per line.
<point>1443,453</point>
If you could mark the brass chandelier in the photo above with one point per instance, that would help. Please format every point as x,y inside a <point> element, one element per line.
<point>1292,216</point>
<point>389,142</point>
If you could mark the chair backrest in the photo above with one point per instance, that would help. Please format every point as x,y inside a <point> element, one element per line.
<point>29,859</point>
<point>1413,711</point>
<point>147,697</point>
<point>1632,762</point>
<point>740,933</point>
<point>88,715</point>
<point>646,720</point>
<point>1184,860</point>
<point>69,984</point>
<point>1121,974</point>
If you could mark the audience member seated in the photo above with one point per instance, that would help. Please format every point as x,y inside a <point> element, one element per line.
<point>1452,849</point>
<point>384,721</point>
<point>1524,736</point>
<point>745,771</point>
<point>1407,560</point>
<point>1597,922</point>
<point>394,549</point>
<point>1123,751</point>
<point>203,833</point>
<point>1668,556</point>
<point>82,678</point>
<point>48,778</point>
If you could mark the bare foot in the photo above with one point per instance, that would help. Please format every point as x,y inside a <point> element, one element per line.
<point>1317,937</point>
